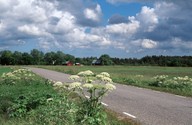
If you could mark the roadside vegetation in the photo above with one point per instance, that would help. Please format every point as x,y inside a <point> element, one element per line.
<point>177,80</point>
<point>26,98</point>
<point>4,70</point>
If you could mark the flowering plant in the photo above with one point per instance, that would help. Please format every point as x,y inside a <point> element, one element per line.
<point>91,88</point>
<point>19,74</point>
<point>174,83</point>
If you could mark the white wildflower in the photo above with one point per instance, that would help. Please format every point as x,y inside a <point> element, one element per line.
<point>74,77</point>
<point>58,84</point>
<point>107,79</point>
<point>110,87</point>
<point>86,73</point>
<point>99,76</point>
<point>105,74</point>
<point>87,85</point>
<point>75,85</point>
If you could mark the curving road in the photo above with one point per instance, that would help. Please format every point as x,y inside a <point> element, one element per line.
<point>147,106</point>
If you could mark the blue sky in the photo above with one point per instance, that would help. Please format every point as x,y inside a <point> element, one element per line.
<point>83,28</point>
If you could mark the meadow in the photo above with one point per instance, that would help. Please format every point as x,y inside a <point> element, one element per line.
<point>4,70</point>
<point>142,76</point>
<point>26,98</point>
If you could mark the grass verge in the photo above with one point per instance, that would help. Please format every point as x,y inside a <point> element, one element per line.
<point>141,76</point>
<point>28,99</point>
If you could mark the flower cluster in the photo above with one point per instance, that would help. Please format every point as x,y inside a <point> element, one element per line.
<point>11,77</point>
<point>88,85</point>
<point>105,77</point>
<point>105,74</point>
<point>86,73</point>
<point>110,87</point>
<point>96,85</point>
<point>175,82</point>
<point>58,84</point>
<point>75,85</point>
<point>74,77</point>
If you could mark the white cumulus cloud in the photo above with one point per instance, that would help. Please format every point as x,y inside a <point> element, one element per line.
<point>148,44</point>
<point>148,18</point>
<point>93,14</point>
<point>123,28</point>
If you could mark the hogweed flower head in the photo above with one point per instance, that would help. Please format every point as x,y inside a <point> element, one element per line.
<point>99,76</point>
<point>75,85</point>
<point>86,73</point>
<point>88,85</point>
<point>107,79</point>
<point>110,87</point>
<point>58,84</point>
<point>105,74</point>
<point>74,77</point>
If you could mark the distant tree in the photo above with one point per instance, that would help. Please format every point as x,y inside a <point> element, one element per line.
<point>6,57</point>
<point>50,58</point>
<point>79,60</point>
<point>17,57</point>
<point>106,59</point>
<point>27,59</point>
<point>59,57</point>
<point>69,57</point>
<point>37,57</point>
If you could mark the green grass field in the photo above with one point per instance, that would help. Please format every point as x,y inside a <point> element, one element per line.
<point>129,75</point>
<point>147,71</point>
<point>4,70</point>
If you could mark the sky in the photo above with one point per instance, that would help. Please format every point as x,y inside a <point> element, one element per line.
<point>84,28</point>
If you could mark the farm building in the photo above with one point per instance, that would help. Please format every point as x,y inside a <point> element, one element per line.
<point>68,63</point>
<point>96,62</point>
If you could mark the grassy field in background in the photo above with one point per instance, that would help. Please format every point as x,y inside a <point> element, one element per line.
<point>4,70</point>
<point>147,71</point>
<point>129,74</point>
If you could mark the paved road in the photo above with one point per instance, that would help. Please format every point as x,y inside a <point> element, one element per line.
<point>147,106</point>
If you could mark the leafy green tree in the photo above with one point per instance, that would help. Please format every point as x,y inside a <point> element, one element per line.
<point>26,59</point>
<point>50,58</point>
<point>59,57</point>
<point>6,57</point>
<point>17,57</point>
<point>106,59</point>
<point>37,56</point>
<point>69,57</point>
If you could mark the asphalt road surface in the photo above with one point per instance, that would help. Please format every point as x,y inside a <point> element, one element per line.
<point>147,106</point>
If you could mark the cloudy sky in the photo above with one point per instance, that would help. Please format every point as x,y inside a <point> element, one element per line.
<point>120,28</point>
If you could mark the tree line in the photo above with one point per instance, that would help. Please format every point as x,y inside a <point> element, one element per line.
<point>36,57</point>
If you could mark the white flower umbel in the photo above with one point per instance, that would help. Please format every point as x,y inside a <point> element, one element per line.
<point>99,76</point>
<point>107,79</point>
<point>88,86</point>
<point>75,85</point>
<point>58,84</point>
<point>86,73</point>
<point>110,87</point>
<point>105,74</point>
<point>74,77</point>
